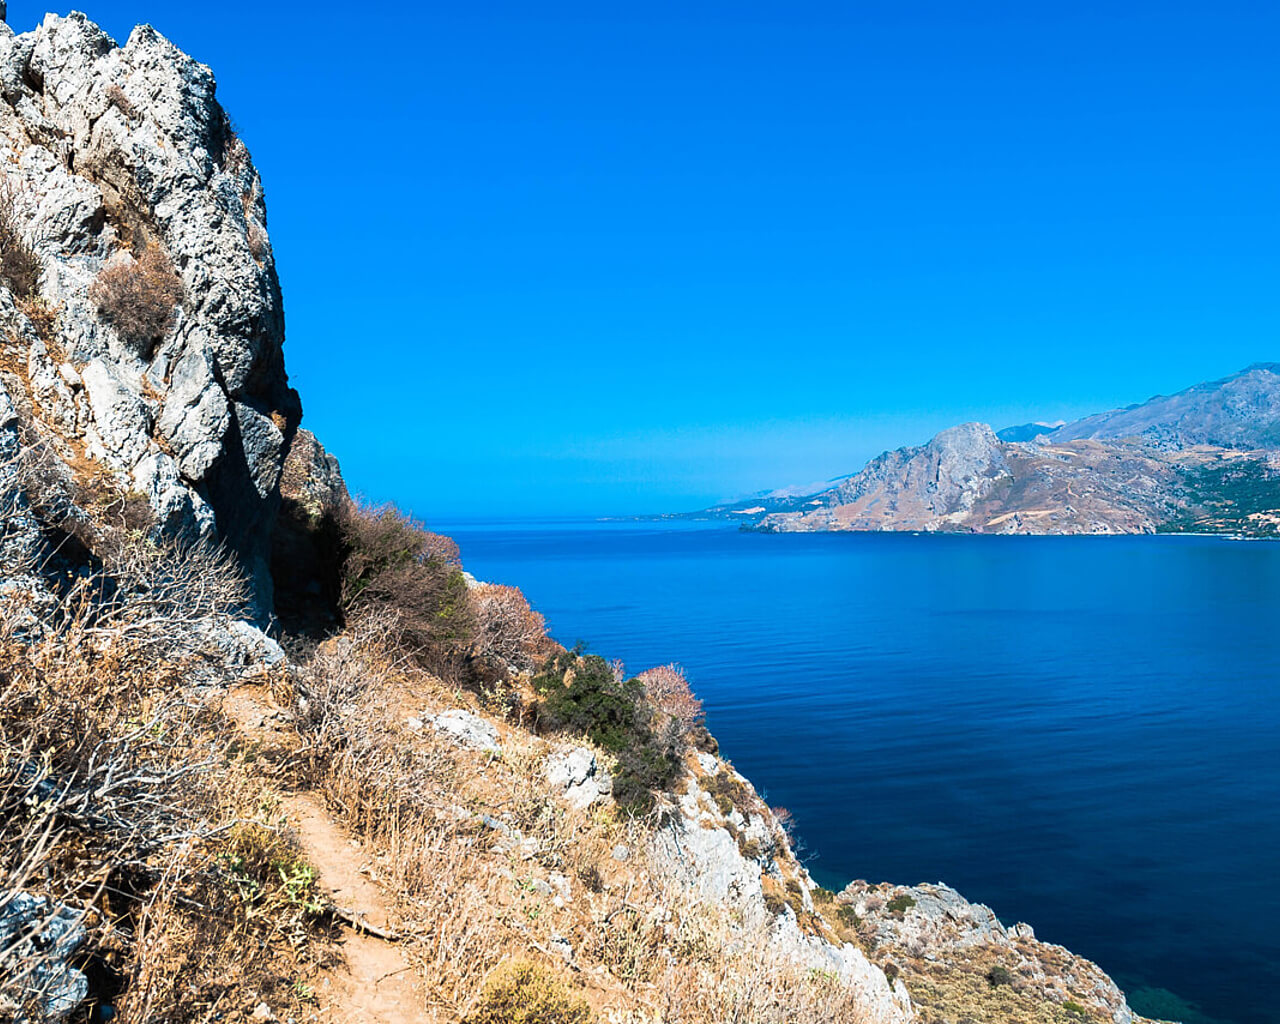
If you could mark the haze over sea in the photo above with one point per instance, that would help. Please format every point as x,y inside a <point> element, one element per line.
<point>1079,732</point>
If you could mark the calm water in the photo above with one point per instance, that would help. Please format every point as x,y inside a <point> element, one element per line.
<point>1080,732</point>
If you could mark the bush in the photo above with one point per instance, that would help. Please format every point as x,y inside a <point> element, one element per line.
<point>584,695</point>
<point>668,689</point>
<point>525,993</point>
<point>1000,976</point>
<point>508,631</point>
<point>392,562</point>
<point>901,904</point>
<point>19,265</point>
<point>138,298</point>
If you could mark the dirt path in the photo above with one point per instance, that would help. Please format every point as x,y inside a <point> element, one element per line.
<point>375,984</point>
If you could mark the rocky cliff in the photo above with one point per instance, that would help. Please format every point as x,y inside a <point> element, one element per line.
<point>115,156</point>
<point>1206,459</point>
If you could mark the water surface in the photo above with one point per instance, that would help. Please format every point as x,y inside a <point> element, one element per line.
<point>1080,732</point>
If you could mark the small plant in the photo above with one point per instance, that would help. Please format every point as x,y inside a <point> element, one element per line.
<point>19,265</point>
<point>891,972</point>
<point>900,904</point>
<point>1075,1008</point>
<point>138,298</point>
<point>1000,976</point>
<point>122,103</point>
<point>526,993</point>
<point>848,916</point>
<point>750,848</point>
<point>774,902</point>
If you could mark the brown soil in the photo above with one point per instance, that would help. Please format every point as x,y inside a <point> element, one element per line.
<point>373,984</point>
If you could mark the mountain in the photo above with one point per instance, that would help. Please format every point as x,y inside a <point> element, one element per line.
<point>1206,459</point>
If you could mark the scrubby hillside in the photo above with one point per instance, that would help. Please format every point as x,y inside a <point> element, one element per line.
<point>1206,459</point>
<point>407,802</point>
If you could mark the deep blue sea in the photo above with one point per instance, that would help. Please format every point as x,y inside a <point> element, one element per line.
<point>1080,732</point>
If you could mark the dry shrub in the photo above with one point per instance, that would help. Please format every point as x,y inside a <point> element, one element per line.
<point>508,631</point>
<point>43,316</point>
<point>525,993</point>
<point>391,562</point>
<point>117,799</point>
<point>258,243</point>
<point>19,265</point>
<point>117,98</point>
<point>138,298</point>
<point>668,689</point>
<point>753,985</point>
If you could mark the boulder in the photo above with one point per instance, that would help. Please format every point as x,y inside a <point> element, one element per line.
<point>578,777</point>
<point>466,730</point>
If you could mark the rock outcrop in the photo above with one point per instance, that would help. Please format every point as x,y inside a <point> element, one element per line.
<point>111,151</point>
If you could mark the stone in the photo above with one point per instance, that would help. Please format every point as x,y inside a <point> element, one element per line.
<point>466,729</point>
<point>31,929</point>
<point>578,777</point>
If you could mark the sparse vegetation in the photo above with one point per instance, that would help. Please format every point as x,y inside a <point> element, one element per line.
<point>581,694</point>
<point>19,265</point>
<point>900,904</point>
<point>138,298</point>
<point>526,993</point>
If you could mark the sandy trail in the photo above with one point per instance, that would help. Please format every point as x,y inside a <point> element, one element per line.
<point>375,984</point>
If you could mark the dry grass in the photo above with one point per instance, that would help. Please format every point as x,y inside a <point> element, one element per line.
<point>121,801</point>
<point>19,265</point>
<point>487,866</point>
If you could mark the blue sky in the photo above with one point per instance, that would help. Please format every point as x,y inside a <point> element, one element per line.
<point>624,257</point>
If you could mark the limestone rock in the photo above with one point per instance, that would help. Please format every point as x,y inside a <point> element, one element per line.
<point>466,729</point>
<point>110,148</point>
<point>33,931</point>
<point>578,776</point>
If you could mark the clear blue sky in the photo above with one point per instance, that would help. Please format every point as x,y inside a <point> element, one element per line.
<point>608,257</point>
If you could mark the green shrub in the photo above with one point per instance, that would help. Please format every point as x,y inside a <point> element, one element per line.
<point>523,993</point>
<point>729,791</point>
<point>1073,1007</point>
<point>582,695</point>
<point>1000,976</point>
<point>901,904</point>
<point>848,916</point>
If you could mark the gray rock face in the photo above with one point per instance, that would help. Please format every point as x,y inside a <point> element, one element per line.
<point>41,939</point>
<point>945,477</point>
<point>111,148</point>
<point>578,776</point>
<point>932,924</point>
<point>466,729</point>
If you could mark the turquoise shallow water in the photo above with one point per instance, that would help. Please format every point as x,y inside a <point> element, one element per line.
<point>1080,732</point>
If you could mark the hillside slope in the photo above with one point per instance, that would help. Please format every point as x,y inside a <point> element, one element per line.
<point>408,803</point>
<point>1205,459</point>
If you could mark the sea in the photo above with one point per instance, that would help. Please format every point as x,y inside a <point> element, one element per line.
<point>1080,732</point>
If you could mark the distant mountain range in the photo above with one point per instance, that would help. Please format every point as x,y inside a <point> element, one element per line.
<point>1206,459</point>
